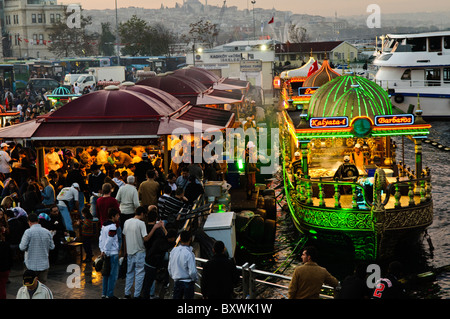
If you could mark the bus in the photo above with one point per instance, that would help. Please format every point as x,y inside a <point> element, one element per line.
<point>108,60</point>
<point>7,80</point>
<point>21,76</point>
<point>161,64</point>
<point>79,65</point>
<point>136,62</point>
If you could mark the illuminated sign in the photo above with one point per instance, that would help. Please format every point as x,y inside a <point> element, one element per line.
<point>307,90</point>
<point>324,122</point>
<point>276,82</point>
<point>402,119</point>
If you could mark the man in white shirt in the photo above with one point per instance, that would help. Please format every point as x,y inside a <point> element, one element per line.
<point>182,268</point>
<point>53,160</point>
<point>67,198</point>
<point>36,242</point>
<point>76,89</point>
<point>5,159</point>
<point>128,198</point>
<point>19,109</point>
<point>135,234</point>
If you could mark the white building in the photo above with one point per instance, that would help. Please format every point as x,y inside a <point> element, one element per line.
<point>28,24</point>
<point>245,60</point>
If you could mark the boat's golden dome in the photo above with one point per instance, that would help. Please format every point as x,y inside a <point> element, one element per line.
<point>321,76</point>
<point>350,96</point>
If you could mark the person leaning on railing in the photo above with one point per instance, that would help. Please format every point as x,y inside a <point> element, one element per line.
<point>309,277</point>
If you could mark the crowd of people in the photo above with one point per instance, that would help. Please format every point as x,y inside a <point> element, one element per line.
<point>126,192</point>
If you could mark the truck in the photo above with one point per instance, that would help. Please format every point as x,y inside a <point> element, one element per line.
<point>107,74</point>
<point>70,79</point>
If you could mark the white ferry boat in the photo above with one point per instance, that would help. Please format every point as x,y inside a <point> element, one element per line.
<point>416,67</point>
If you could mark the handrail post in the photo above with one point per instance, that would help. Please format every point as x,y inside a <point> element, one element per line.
<point>245,281</point>
<point>251,282</point>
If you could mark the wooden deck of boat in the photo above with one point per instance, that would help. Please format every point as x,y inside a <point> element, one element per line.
<point>239,201</point>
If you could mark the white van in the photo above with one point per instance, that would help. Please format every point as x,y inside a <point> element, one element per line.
<point>70,79</point>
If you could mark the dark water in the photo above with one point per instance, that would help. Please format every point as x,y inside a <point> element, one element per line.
<point>424,264</point>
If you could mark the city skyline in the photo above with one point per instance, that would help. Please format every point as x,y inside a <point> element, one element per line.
<point>317,7</point>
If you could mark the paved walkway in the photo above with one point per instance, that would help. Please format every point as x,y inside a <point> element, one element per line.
<point>60,283</point>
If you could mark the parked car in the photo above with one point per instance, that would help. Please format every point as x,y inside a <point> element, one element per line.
<point>37,84</point>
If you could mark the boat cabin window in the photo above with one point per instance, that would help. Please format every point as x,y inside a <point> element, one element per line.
<point>417,44</point>
<point>433,77</point>
<point>388,45</point>
<point>446,42</point>
<point>406,75</point>
<point>446,74</point>
<point>434,44</point>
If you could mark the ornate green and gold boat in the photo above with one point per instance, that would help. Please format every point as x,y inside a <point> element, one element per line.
<point>374,208</point>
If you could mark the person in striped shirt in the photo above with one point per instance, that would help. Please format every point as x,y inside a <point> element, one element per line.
<point>36,243</point>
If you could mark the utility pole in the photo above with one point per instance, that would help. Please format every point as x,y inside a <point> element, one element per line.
<point>117,36</point>
<point>254,29</point>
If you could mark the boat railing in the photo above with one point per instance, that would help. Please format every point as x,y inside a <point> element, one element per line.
<point>251,277</point>
<point>308,187</point>
<point>418,191</point>
<point>411,83</point>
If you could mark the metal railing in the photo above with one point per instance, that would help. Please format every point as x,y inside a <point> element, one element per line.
<point>249,277</point>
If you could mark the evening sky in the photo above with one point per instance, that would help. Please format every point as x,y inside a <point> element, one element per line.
<point>312,7</point>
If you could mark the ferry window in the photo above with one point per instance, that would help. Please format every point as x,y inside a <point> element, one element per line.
<point>406,75</point>
<point>446,75</point>
<point>447,42</point>
<point>417,44</point>
<point>433,77</point>
<point>402,46</point>
<point>434,44</point>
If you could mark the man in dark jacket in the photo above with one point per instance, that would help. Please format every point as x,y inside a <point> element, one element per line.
<point>156,261</point>
<point>220,275</point>
<point>95,183</point>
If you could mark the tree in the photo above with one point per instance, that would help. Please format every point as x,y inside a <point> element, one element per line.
<point>135,32</point>
<point>202,32</point>
<point>161,39</point>
<point>297,34</point>
<point>65,41</point>
<point>107,40</point>
<point>144,39</point>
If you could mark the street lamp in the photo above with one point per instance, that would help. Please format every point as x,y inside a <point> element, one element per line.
<point>254,29</point>
<point>117,36</point>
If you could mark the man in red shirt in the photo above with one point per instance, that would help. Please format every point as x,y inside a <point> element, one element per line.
<point>105,202</point>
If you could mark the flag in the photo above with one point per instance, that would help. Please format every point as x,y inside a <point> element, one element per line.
<point>271,21</point>
<point>313,68</point>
